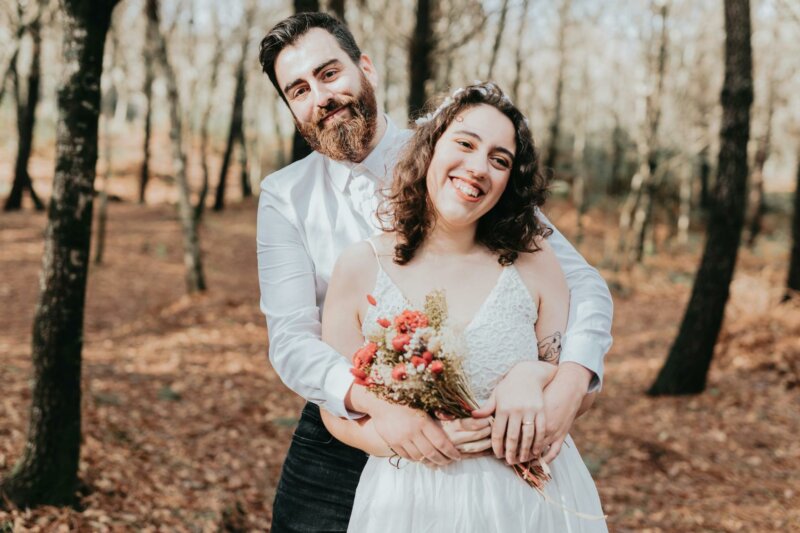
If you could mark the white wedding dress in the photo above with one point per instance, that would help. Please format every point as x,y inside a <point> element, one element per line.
<point>479,495</point>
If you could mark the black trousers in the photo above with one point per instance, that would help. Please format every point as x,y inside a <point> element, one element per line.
<point>318,480</point>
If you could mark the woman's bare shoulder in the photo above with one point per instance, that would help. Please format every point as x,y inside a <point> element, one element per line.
<point>540,268</point>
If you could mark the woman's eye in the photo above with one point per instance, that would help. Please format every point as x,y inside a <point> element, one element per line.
<point>465,144</point>
<point>502,162</point>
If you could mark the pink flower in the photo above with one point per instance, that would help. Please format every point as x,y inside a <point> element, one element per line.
<point>384,322</point>
<point>436,367</point>
<point>399,372</point>
<point>400,342</point>
<point>416,361</point>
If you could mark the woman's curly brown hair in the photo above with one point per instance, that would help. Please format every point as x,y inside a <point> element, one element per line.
<point>510,227</point>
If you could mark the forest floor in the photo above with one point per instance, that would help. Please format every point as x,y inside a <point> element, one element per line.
<point>186,425</point>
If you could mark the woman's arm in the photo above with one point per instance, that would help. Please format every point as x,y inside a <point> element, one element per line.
<point>341,329</point>
<point>352,279</point>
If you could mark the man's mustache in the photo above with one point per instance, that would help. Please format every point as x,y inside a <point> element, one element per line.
<point>331,107</point>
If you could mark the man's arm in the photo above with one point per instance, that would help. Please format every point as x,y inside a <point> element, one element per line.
<point>304,363</point>
<point>588,335</point>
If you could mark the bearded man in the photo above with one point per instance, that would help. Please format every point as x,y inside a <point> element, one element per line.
<point>308,213</point>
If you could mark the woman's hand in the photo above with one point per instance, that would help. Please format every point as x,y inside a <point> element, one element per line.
<point>470,435</point>
<point>518,405</point>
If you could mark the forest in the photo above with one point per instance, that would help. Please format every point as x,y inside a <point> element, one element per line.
<point>136,389</point>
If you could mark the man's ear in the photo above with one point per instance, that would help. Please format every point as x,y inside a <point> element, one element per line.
<point>366,66</point>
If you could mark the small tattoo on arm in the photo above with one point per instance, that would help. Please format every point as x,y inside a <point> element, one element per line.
<point>550,348</point>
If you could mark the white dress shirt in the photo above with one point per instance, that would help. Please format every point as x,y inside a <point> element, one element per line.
<point>309,212</point>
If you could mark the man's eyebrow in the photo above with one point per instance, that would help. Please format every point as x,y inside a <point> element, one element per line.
<point>319,68</point>
<point>478,137</point>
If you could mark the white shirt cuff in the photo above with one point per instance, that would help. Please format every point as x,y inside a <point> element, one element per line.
<point>337,384</point>
<point>584,350</point>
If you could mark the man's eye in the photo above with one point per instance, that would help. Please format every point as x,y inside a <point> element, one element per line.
<point>298,92</point>
<point>329,73</point>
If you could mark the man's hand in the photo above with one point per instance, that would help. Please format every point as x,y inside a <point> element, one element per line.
<point>518,405</point>
<point>411,434</point>
<point>563,398</point>
<point>469,435</point>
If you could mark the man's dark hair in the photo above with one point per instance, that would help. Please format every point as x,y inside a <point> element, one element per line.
<point>289,30</point>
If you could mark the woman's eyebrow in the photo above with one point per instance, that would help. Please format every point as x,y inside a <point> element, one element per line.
<point>478,137</point>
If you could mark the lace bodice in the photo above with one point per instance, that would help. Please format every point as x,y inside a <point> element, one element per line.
<point>500,335</point>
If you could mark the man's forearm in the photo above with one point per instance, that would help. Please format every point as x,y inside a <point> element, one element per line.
<point>573,377</point>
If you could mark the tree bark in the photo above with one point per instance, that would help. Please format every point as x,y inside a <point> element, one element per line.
<point>149,77</point>
<point>686,367</point>
<point>48,470</point>
<point>195,280</point>
<point>523,24</point>
<point>26,120</point>
<point>235,133</point>
<point>300,147</point>
<point>420,57</point>
<point>498,39</point>
<point>793,279</point>
<point>337,7</point>
<point>555,122</point>
<point>756,205</point>
<point>205,120</point>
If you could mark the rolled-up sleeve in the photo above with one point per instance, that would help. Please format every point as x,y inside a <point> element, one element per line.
<point>286,276</point>
<point>591,310</point>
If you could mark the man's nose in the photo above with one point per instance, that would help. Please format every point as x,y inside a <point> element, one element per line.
<point>323,95</point>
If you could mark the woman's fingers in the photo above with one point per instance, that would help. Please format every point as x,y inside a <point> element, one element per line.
<point>528,431</point>
<point>499,435</point>
<point>473,448</point>
<point>512,438</point>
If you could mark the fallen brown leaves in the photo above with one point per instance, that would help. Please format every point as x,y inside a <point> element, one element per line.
<point>186,425</point>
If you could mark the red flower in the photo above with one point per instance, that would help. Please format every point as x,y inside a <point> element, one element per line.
<point>409,321</point>
<point>428,356</point>
<point>436,367</point>
<point>416,361</point>
<point>358,373</point>
<point>365,354</point>
<point>371,300</point>
<point>384,322</point>
<point>400,342</point>
<point>399,372</point>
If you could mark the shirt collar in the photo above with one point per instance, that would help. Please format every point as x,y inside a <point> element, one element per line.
<point>375,166</point>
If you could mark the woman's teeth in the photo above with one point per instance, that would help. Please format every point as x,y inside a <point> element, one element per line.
<point>466,188</point>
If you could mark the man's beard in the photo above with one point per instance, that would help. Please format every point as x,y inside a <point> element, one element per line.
<point>345,139</point>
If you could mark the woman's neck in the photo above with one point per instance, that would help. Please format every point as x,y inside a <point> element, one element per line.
<point>448,240</point>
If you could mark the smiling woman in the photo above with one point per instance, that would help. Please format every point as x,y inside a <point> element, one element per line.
<point>503,154</point>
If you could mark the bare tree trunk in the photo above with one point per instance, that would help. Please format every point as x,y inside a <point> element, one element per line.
<point>102,211</point>
<point>300,147</point>
<point>149,77</point>
<point>555,122</point>
<point>637,210</point>
<point>755,204</point>
<point>420,56</point>
<point>48,470</point>
<point>705,179</point>
<point>244,171</point>
<point>235,131</point>
<point>195,280</point>
<point>498,39</point>
<point>686,367</point>
<point>26,120</point>
<point>337,7</point>
<point>579,155</point>
<point>205,120</point>
<point>523,24</point>
<point>685,208</point>
<point>793,279</point>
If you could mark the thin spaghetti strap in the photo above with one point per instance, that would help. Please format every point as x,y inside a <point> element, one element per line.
<point>375,251</point>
